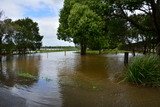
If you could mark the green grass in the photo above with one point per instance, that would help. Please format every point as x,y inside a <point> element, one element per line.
<point>46,51</point>
<point>26,75</point>
<point>114,51</point>
<point>110,51</point>
<point>144,70</point>
<point>92,52</point>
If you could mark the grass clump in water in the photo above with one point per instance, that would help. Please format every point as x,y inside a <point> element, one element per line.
<point>144,70</point>
<point>26,75</point>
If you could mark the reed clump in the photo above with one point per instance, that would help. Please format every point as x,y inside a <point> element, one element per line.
<point>144,70</point>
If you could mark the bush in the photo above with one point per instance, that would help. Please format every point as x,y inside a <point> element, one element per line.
<point>144,70</point>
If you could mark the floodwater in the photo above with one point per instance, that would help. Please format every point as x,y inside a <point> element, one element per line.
<point>70,80</point>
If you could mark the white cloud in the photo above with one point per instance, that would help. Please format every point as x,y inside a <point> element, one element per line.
<point>12,10</point>
<point>15,9</point>
<point>48,26</point>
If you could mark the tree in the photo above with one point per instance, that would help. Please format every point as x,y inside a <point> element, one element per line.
<point>98,43</point>
<point>82,25</point>
<point>27,35</point>
<point>142,14</point>
<point>124,21</point>
<point>2,31</point>
<point>21,35</point>
<point>6,35</point>
<point>63,32</point>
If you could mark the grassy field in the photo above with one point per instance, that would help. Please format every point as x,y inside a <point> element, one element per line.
<point>110,51</point>
<point>57,49</point>
<point>46,51</point>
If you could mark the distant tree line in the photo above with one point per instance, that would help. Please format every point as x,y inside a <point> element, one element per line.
<point>50,47</point>
<point>101,24</point>
<point>59,48</point>
<point>19,36</point>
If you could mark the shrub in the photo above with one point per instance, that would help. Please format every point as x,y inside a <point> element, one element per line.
<point>144,70</point>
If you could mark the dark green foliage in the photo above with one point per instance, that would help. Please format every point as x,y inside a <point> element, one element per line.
<point>27,36</point>
<point>124,22</point>
<point>78,22</point>
<point>6,36</point>
<point>21,35</point>
<point>144,70</point>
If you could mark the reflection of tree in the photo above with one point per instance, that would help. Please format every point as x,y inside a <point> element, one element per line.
<point>10,66</point>
<point>82,80</point>
<point>76,70</point>
<point>5,77</point>
<point>115,66</point>
<point>93,67</point>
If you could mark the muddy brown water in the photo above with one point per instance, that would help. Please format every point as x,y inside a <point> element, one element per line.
<point>70,80</point>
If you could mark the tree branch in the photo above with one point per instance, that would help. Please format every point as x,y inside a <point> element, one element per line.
<point>148,13</point>
<point>137,25</point>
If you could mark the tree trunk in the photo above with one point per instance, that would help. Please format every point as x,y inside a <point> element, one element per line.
<point>145,49</point>
<point>156,17</point>
<point>133,52</point>
<point>158,49</point>
<point>83,49</point>
<point>158,46</point>
<point>100,51</point>
<point>0,63</point>
<point>0,45</point>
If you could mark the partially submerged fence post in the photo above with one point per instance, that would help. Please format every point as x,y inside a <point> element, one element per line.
<point>126,54</point>
<point>64,52</point>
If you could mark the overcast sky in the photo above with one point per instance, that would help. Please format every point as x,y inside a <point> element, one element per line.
<point>44,12</point>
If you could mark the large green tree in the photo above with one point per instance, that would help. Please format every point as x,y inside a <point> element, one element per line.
<point>125,21</point>
<point>27,35</point>
<point>21,35</point>
<point>82,25</point>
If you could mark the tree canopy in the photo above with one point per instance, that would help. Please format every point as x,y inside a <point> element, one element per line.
<point>83,26</point>
<point>21,35</point>
<point>27,35</point>
<point>122,21</point>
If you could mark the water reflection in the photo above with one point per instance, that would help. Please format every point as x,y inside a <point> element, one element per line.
<point>10,66</point>
<point>85,82</point>
<point>89,81</point>
<point>70,80</point>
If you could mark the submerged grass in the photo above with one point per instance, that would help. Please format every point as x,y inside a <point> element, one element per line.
<point>144,70</point>
<point>26,75</point>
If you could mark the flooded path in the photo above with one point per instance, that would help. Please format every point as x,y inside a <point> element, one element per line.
<point>70,80</point>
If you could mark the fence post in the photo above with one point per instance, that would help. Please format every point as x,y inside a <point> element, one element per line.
<point>126,54</point>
